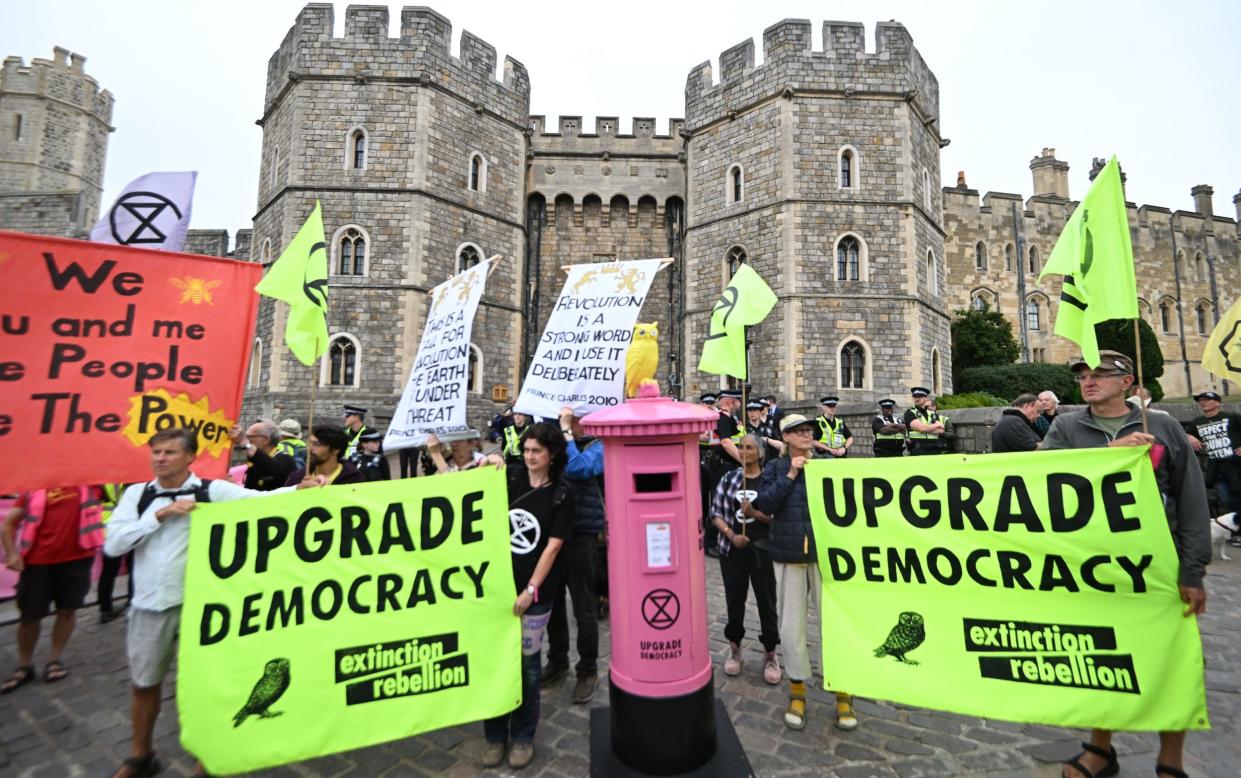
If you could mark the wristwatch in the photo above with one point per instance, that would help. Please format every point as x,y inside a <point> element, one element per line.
<point>567,432</point>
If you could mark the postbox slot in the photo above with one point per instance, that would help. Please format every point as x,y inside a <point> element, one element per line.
<point>654,483</point>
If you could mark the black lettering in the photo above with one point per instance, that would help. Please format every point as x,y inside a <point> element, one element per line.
<point>870,564</point>
<point>445,585</point>
<point>293,612</point>
<point>964,494</point>
<point>354,521</point>
<point>1088,568</point>
<point>876,493</point>
<point>62,354</point>
<point>249,612</point>
<point>388,584</point>
<point>907,569</point>
<point>476,578</point>
<point>1136,571</point>
<point>839,518</point>
<point>971,566</point>
<point>421,589</point>
<point>842,564</point>
<point>1013,490</point>
<point>1013,568</point>
<point>953,576</point>
<point>354,605</point>
<point>316,605</point>
<point>1114,502</point>
<point>395,530</point>
<point>434,539</point>
<point>270,533</point>
<point>323,538</point>
<point>206,634</point>
<point>932,507</point>
<point>471,514</point>
<point>1056,574</point>
<point>215,546</point>
<point>1061,521</point>
<point>123,284</point>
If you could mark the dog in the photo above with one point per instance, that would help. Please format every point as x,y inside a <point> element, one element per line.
<point>1222,528</point>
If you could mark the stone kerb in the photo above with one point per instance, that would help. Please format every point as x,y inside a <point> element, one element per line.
<point>844,65</point>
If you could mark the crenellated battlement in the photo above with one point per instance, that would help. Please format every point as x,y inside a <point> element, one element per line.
<point>641,127</point>
<point>843,65</point>
<point>422,53</point>
<point>62,78</point>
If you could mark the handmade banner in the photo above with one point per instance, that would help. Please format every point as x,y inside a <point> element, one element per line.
<point>434,397</point>
<point>1037,587</point>
<point>337,618</point>
<point>104,346</point>
<point>580,361</point>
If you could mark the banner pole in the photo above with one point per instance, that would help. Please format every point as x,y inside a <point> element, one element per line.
<point>745,415</point>
<point>1137,347</point>
<point>314,387</point>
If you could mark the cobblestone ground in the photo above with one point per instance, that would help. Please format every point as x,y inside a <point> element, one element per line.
<point>80,726</point>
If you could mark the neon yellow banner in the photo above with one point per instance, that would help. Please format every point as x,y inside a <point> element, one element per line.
<point>336,618</point>
<point>1036,587</point>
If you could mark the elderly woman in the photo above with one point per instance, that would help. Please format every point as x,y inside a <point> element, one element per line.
<point>744,562</point>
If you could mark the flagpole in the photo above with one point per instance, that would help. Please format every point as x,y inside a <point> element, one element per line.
<point>1137,347</point>
<point>745,415</point>
<point>314,387</point>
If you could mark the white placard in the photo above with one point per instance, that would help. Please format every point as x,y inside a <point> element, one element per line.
<point>434,397</point>
<point>580,361</point>
<point>659,544</point>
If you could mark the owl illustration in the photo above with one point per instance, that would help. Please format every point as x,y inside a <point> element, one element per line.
<point>643,357</point>
<point>268,689</point>
<point>907,635</point>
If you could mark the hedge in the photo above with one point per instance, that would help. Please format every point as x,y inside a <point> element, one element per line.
<point>1008,381</point>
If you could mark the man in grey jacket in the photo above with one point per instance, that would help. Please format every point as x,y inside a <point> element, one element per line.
<point>1110,421</point>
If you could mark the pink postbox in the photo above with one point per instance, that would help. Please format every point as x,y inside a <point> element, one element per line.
<point>661,692</point>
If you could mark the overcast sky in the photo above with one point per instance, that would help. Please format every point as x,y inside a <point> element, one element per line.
<point>1152,82</point>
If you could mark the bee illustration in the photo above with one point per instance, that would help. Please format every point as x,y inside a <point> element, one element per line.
<point>195,290</point>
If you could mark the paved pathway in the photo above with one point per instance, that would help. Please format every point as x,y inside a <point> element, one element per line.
<point>80,726</point>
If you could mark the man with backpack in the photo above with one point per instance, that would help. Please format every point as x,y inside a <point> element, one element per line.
<point>153,520</point>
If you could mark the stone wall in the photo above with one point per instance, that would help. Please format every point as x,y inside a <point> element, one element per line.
<point>44,213</point>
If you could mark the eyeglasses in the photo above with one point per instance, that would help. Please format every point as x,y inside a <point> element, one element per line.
<point>1084,377</point>
<point>799,431</point>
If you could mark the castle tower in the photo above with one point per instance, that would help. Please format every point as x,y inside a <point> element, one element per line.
<point>821,170</point>
<point>418,157</point>
<point>54,126</point>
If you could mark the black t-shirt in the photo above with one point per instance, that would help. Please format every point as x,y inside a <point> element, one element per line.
<point>535,516</point>
<point>1220,434</point>
<point>726,426</point>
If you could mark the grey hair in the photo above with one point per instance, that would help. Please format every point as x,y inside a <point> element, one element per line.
<point>1054,398</point>
<point>268,429</point>
<point>759,444</point>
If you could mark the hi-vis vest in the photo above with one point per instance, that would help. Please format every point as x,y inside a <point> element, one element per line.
<point>353,440</point>
<point>888,435</point>
<point>90,519</point>
<point>292,447</point>
<point>928,417</point>
<point>512,441</point>
<point>832,434</point>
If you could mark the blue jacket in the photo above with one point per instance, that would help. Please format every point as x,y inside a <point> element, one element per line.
<point>581,475</point>
<point>790,538</point>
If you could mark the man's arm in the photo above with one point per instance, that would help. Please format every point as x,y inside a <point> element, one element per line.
<point>583,464</point>
<point>126,530</point>
<point>8,536</point>
<point>1193,525</point>
<point>771,498</point>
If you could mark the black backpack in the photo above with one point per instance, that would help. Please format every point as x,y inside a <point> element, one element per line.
<point>200,494</point>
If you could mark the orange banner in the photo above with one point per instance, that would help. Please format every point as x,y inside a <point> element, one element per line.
<point>102,346</point>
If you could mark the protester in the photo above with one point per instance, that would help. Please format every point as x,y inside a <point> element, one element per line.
<point>355,417</point>
<point>463,452</point>
<point>269,467</point>
<point>1048,406</point>
<point>152,520</point>
<point>110,567</point>
<point>291,442</point>
<point>369,460</point>
<point>743,563</point>
<point>1015,430</point>
<point>1217,433</point>
<point>1110,421</point>
<point>833,437</point>
<point>577,560</point>
<point>60,531</point>
<point>1140,397</point>
<point>889,431</point>
<point>791,545</point>
<point>541,518</point>
<point>721,457</point>
<point>326,463</point>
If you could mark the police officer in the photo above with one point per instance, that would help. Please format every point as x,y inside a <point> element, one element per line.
<point>889,430</point>
<point>512,439</point>
<point>371,463</point>
<point>926,426</point>
<point>832,436</point>
<point>759,424</point>
<point>354,427</point>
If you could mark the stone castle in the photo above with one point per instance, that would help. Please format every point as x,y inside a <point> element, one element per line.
<point>819,168</point>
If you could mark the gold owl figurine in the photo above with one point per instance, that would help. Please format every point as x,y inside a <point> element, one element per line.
<point>643,357</point>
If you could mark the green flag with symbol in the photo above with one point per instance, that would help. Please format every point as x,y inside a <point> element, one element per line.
<point>1095,256</point>
<point>299,277</point>
<point>745,302</point>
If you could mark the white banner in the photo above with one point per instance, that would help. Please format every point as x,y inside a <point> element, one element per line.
<point>434,397</point>
<point>152,211</point>
<point>580,361</point>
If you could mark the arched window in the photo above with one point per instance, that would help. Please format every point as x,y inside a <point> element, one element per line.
<point>265,252</point>
<point>980,256</point>
<point>1008,257</point>
<point>734,259</point>
<point>477,180</point>
<point>846,169</point>
<point>275,167</point>
<point>1200,269</point>
<point>1144,310</point>
<point>735,184</point>
<point>468,255</point>
<point>932,272</point>
<point>1034,318</point>
<point>852,365</point>
<point>1204,317</point>
<point>926,189</point>
<point>474,376</point>
<point>1034,264</point>
<point>1165,316</point>
<point>848,259</point>
<point>936,381</point>
<point>340,364</point>
<point>355,149</point>
<point>256,363</point>
<point>982,299</point>
<point>350,245</point>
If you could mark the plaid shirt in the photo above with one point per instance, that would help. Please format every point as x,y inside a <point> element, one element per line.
<point>725,505</point>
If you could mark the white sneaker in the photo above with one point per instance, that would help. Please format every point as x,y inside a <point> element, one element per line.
<point>732,665</point>
<point>771,668</point>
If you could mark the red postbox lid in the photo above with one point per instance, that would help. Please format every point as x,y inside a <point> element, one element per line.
<point>649,416</point>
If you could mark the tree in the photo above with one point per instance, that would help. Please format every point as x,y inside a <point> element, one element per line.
<point>981,337</point>
<point>1117,335</point>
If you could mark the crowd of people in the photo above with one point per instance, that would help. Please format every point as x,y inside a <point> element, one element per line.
<point>755,509</point>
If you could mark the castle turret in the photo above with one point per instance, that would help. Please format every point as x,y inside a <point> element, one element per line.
<point>1202,195</point>
<point>821,170</point>
<point>1051,176</point>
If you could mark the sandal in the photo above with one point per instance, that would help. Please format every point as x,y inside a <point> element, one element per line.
<point>21,676</point>
<point>1163,769</point>
<point>1111,768</point>
<point>795,714</point>
<point>142,766</point>
<point>54,671</point>
<point>846,719</point>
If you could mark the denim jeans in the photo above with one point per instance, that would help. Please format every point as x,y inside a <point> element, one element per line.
<point>519,725</point>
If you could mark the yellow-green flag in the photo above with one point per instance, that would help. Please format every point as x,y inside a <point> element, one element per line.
<point>1095,257</point>
<point>1222,354</point>
<point>299,277</point>
<point>745,302</point>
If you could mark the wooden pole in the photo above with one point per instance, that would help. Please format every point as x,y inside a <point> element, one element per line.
<point>1137,346</point>
<point>314,388</point>
<point>745,415</point>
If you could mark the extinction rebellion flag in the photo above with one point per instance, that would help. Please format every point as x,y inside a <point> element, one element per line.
<point>152,212</point>
<point>1038,587</point>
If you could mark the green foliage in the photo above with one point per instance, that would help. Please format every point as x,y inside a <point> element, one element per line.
<point>981,338</point>
<point>1008,381</point>
<point>1117,335</point>
<point>969,400</point>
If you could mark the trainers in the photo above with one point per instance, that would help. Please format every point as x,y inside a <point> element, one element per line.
<point>771,668</point>
<point>553,672</point>
<point>520,755</point>
<point>584,689</point>
<point>732,665</point>
<point>846,718</point>
<point>493,754</point>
